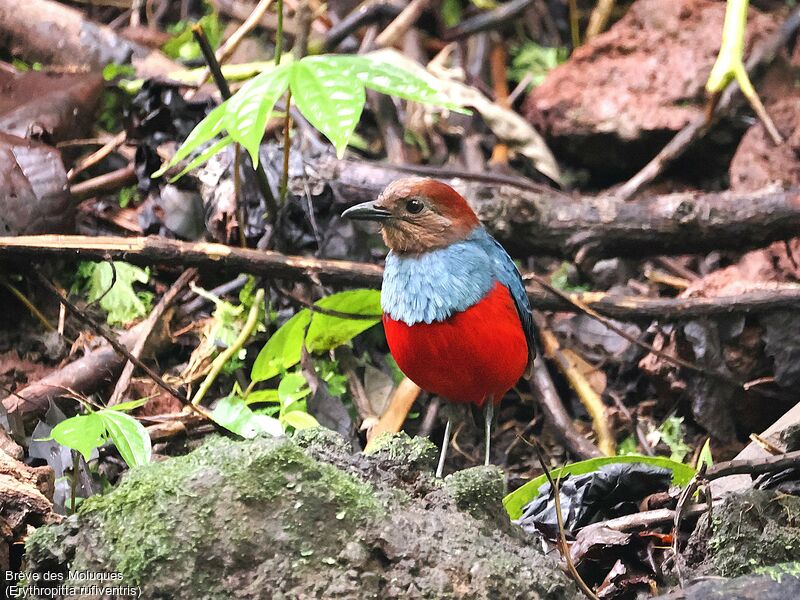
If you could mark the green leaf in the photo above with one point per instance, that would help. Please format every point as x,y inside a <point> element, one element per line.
<point>129,405</point>
<point>128,435</point>
<point>233,414</point>
<point>204,131</point>
<point>705,457</point>
<point>327,332</point>
<point>262,396</point>
<point>83,433</point>
<point>330,97</point>
<point>282,350</point>
<point>248,111</point>
<point>293,387</point>
<point>300,420</point>
<point>516,500</point>
<point>122,303</point>
<point>204,156</point>
<point>378,74</point>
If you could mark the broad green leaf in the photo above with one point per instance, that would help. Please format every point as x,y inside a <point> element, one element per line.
<point>83,433</point>
<point>261,396</point>
<point>122,303</point>
<point>330,97</point>
<point>705,457</point>
<point>204,131</point>
<point>380,75</point>
<point>128,435</point>
<point>327,332</point>
<point>293,387</point>
<point>129,405</point>
<point>516,500</point>
<point>204,156</point>
<point>282,350</point>
<point>249,110</point>
<point>233,414</point>
<point>300,420</point>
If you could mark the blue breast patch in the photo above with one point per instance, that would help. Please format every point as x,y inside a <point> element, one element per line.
<point>433,286</point>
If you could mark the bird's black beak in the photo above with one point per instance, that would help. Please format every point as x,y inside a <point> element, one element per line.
<point>367,211</point>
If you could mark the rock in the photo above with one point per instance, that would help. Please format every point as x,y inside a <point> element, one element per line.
<point>751,587</point>
<point>754,530</point>
<point>622,96</point>
<point>304,518</point>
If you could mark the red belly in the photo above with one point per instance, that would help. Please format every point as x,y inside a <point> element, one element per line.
<point>474,354</point>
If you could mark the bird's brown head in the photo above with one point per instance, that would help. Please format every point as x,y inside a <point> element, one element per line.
<point>418,215</point>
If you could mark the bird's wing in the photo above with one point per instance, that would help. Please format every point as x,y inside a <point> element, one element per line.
<point>507,274</point>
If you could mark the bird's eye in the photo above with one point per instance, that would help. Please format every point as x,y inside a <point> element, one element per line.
<point>414,206</point>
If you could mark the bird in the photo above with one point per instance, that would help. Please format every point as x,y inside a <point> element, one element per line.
<point>456,316</point>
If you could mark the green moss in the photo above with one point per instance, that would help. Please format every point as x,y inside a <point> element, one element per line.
<point>478,490</point>
<point>163,512</point>
<point>416,452</point>
<point>754,530</point>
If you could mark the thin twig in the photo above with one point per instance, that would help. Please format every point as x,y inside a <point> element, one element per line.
<point>225,92</point>
<point>158,310</point>
<point>111,339</point>
<point>392,34</point>
<point>229,46</point>
<point>632,338</point>
<point>562,538</point>
<point>599,18</point>
<point>28,304</point>
<point>232,350</point>
<point>590,399</point>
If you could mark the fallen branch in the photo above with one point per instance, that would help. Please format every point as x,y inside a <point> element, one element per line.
<point>149,251</point>
<point>530,219</point>
<point>55,34</point>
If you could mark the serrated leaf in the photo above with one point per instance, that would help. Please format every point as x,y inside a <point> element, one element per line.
<point>122,303</point>
<point>83,433</point>
<point>515,501</point>
<point>330,98</point>
<point>233,414</point>
<point>249,110</point>
<point>204,131</point>
<point>300,420</point>
<point>128,435</point>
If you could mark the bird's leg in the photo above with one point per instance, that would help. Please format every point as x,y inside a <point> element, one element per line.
<point>443,453</point>
<point>489,415</point>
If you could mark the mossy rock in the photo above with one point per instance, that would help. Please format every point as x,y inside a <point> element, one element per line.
<point>270,518</point>
<point>754,530</point>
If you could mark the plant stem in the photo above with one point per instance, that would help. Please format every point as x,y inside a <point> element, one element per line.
<point>287,146</point>
<point>730,66</point>
<point>225,92</point>
<point>279,36</point>
<point>230,351</point>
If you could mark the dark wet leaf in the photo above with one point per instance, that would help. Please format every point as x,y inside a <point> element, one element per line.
<point>33,188</point>
<point>51,106</point>
<point>516,500</point>
<point>610,491</point>
<point>781,339</point>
